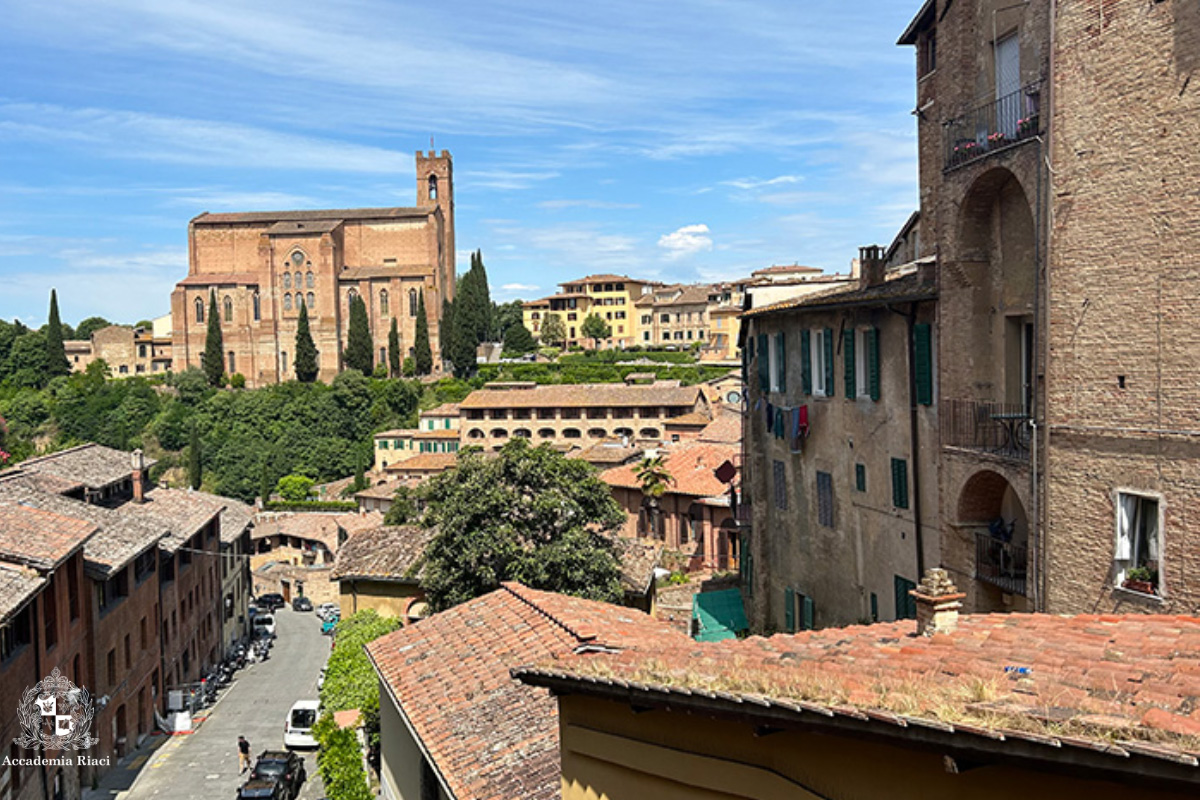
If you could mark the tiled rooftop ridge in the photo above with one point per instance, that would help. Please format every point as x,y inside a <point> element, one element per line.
<point>522,593</point>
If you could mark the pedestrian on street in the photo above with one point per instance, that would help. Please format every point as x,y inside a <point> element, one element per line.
<point>243,753</point>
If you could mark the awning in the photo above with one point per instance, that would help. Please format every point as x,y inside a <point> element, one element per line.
<point>718,615</point>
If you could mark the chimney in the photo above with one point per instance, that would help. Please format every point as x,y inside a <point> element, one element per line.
<point>937,603</point>
<point>139,476</point>
<point>871,266</point>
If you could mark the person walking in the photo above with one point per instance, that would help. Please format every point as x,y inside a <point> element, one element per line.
<point>243,753</point>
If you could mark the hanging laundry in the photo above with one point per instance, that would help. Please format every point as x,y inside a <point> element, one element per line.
<point>780,418</point>
<point>802,420</point>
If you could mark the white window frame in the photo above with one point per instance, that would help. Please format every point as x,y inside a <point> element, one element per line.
<point>862,366</point>
<point>818,362</point>
<point>773,361</point>
<point>1124,541</point>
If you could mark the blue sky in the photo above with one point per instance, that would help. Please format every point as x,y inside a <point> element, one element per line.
<point>683,141</point>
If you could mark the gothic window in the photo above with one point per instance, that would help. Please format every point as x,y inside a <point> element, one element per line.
<point>383,301</point>
<point>309,300</point>
<point>228,307</point>
<point>199,310</point>
<point>433,187</point>
<point>299,278</point>
<point>287,280</point>
<point>257,307</point>
<point>287,302</point>
<point>299,300</point>
<point>232,363</point>
<point>297,258</point>
<point>309,280</point>
<point>412,302</point>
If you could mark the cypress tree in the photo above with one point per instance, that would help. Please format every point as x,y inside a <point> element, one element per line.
<point>446,328</point>
<point>306,352</point>
<point>422,352</point>
<point>484,301</point>
<point>394,351</point>
<point>56,353</point>
<point>358,353</point>
<point>194,468</point>
<point>265,484</point>
<point>214,346</point>
<point>360,480</point>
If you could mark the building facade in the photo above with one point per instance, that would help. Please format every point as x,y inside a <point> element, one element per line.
<point>125,350</point>
<point>263,267</point>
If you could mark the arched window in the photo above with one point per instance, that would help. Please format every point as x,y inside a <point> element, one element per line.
<point>309,280</point>
<point>228,307</point>
<point>298,277</point>
<point>287,280</point>
<point>299,300</point>
<point>433,187</point>
<point>199,310</point>
<point>257,307</point>
<point>412,302</point>
<point>309,300</point>
<point>287,302</point>
<point>297,259</point>
<point>383,301</point>
<point>232,363</point>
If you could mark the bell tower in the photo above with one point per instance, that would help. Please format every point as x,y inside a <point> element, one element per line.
<point>435,187</point>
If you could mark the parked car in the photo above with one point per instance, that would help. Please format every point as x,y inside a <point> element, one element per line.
<point>263,789</point>
<point>264,625</point>
<point>271,602</point>
<point>297,731</point>
<point>329,624</point>
<point>325,609</point>
<point>282,767</point>
<point>302,603</point>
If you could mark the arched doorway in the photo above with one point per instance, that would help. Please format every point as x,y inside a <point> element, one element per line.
<point>991,512</point>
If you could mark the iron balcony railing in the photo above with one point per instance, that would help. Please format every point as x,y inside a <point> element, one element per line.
<point>1001,429</point>
<point>1000,563</point>
<point>994,125</point>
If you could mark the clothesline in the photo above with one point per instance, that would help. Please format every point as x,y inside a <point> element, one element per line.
<point>785,422</point>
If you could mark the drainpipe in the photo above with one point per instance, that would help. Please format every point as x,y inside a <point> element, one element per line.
<point>914,435</point>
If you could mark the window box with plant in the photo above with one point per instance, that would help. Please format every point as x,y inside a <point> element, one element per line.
<point>1141,579</point>
<point>1138,543</point>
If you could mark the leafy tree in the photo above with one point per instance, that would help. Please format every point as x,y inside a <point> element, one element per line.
<point>403,509</point>
<point>213,361</point>
<point>360,479</point>
<point>195,468</point>
<point>266,484</point>
<point>422,354</point>
<point>446,328</point>
<point>530,514</point>
<point>56,354</point>
<point>410,367</point>
<point>339,761</point>
<point>144,324</point>
<point>305,363</point>
<point>596,329</point>
<point>505,316</point>
<point>27,365</point>
<point>350,680</point>
<point>554,331</point>
<point>652,474</point>
<point>358,353</point>
<point>237,380</point>
<point>394,349</point>
<point>295,488</point>
<point>87,327</point>
<point>518,340</point>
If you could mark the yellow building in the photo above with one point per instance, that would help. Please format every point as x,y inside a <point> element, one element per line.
<point>610,297</point>
<point>375,569</point>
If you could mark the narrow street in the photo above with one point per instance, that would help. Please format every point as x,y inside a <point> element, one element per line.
<point>204,764</point>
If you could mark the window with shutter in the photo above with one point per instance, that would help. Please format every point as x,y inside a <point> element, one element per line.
<point>825,499</point>
<point>789,609</point>
<point>806,362</point>
<point>874,607</point>
<point>764,363</point>
<point>746,562</point>
<point>848,364</point>
<point>899,483</point>
<point>860,477</point>
<point>829,392</point>
<point>873,361</point>
<point>923,363</point>
<point>807,613</point>
<point>906,604</point>
<point>781,363</point>
<point>779,479</point>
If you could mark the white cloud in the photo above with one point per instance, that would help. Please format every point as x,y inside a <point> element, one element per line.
<point>751,184</point>
<point>518,287</point>
<point>686,241</point>
<point>558,205</point>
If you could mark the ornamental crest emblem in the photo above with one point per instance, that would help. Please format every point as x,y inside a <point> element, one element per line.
<point>55,714</point>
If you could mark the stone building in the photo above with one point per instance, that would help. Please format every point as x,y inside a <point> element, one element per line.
<point>263,266</point>
<point>380,569</point>
<point>124,349</point>
<point>673,315</point>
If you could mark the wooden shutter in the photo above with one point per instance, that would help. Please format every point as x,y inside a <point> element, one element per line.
<point>873,361</point>
<point>764,364</point>
<point>829,371</point>
<point>746,562</point>
<point>806,362</point>
<point>807,613</point>
<point>789,610</point>
<point>747,357</point>
<point>874,607</point>
<point>848,362</point>
<point>923,363</point>
<point>860,477</point>
<point>899,483</point>
<point>781,358</point>
<point>906,604</point>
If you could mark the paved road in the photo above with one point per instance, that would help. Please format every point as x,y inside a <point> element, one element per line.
<point>204,765</point>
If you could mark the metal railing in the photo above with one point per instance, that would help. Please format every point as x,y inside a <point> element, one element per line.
<point>994,125</point>
<point>1000,563</point>
<point>1001,429</point>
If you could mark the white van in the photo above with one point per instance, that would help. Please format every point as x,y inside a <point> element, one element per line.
<point>297,731</point>
<point>264,625</point>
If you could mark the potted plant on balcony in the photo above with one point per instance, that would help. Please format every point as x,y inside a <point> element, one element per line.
<point>1027,126</point>
<point>996,139</point>
<point>1140,579</point>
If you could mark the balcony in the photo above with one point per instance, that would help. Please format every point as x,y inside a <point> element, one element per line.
<point>1000,563</point>
<point>1001,429</point>
<point>994,126</point>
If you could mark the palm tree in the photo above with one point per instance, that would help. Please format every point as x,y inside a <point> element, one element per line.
<point>655,479</point>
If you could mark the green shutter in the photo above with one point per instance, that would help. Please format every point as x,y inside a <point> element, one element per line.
<point>764,364</point>
<point>860,477</point>
<point>874,607</point>
<point>747,357</point>
<point>806,362</point>
<point>829,391</point>
<point>923,363</point>
<point>806,604</point>
<point>848,361</point>
<point>781,357</point>
<point>899,483</point>
<point>906,604</point>
<point>746,562</point>
<point>789,610</point>
<point>873,361</point>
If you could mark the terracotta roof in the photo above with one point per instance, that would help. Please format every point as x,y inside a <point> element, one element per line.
<point>296,227</point>
<point>692,420</point>
<point>366,273</point>
<point>604,278</point>
<point>535,303</point>
<point>17,586</point>
<point>1117,684</point>
<point>583,395</point>
<point>92,465</point>
<point>386,553</point>
<point>315,527</point>
<point>437,433</point>
<point>235,519</point>
<point>425,462</point>
<point>394,432</point>
<point>283,569</point>
<point>37,538</point>
<point>356,522</point>
<point>907,288</point>
<point>726,428</point>
<point>311,216</point>
<point>691,465</point>
<point>786,268</point>
<point>220,279</point>
<point>386,489</point>
<point>444,410</point>
<point>40,481</point>
<point>690,294</point>
<point>351,717</point>
<point>638,559</point>
<point>182,512</point>
<point>488,736</point>
<point>608,451</point>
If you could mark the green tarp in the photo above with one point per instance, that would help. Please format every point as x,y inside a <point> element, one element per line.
<point>718,615</point>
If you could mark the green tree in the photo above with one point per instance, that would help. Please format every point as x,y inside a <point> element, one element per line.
<point>350,680</point>
<point>518,340</point>
<point>26,365</point>
<point>554,332</point>
<point>409,368</point>
<point>394,349</point>
<point>358,353</point>
<point>505,316</point>
<point>403,509</point>
<point>144,324</point>
<point>295,488</point>
<point>360,478</point>
<point>446,328</point>
<point>339,761</point>
<point>56,354</point>
<point>654,478</point>
<point>213,361</point>
<point>195,464</point>
<point>529,514</point>
<point>266,483</point>
<point>422,354</point>
<point>305,363</point>
<point>87,327</point>
<point>596,329</point>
